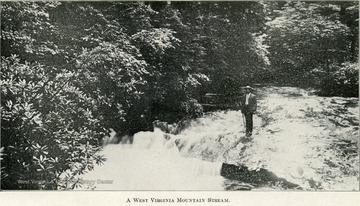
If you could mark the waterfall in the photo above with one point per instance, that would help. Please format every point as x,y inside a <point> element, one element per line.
<point>152,163</point>
<point>205,156</point>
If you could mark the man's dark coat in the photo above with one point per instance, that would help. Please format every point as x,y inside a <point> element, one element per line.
<point>251,107</point>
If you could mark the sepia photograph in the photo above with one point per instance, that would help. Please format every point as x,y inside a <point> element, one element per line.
<point>180,96</point>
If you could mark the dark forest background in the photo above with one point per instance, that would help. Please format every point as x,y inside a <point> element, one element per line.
<point>72,70</point>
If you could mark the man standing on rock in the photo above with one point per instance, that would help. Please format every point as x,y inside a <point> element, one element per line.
<point>248,105</point>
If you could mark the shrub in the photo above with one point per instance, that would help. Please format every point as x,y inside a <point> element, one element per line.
<point>114,75</point>
<point>344,81</point>
<point>49,128</point>
<point>192,108</point>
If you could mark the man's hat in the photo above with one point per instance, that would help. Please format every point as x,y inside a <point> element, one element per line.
<point>247,87</point>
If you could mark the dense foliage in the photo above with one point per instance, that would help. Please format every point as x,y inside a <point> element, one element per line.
<point>310,44</point>
<point>47,127</point>
<point>72,70</point>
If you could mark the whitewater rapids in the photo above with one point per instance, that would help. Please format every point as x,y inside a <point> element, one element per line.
<point>152,163</point>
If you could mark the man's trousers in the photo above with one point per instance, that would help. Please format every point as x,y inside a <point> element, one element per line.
<point>249,123</point>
